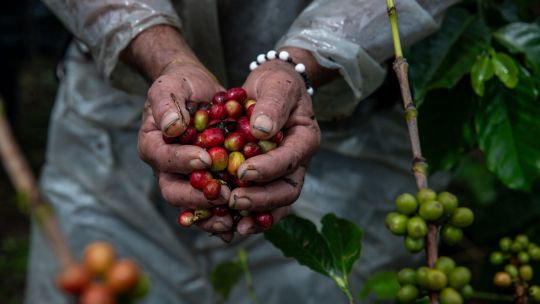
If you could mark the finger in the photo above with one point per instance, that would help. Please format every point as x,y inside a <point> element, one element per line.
<point>217,224</point>
<point>279,193</point>
<point>277,93</point>
<point>248,226</point>
<point>299,144</point>
<point>180,193</point>
<point>172,158</point>
<point>167,97</point>
<point>226,236</point>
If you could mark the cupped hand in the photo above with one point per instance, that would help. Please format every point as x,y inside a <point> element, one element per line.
<point>165,114</point>
<point>282,103</point>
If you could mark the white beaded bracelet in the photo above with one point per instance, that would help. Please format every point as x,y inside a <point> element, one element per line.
<point>284,56</point>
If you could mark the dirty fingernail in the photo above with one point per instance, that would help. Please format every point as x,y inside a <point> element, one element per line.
<point>248,174</point>
<point>241,203</point>
<point>171,124</point>
<point>263,123</point>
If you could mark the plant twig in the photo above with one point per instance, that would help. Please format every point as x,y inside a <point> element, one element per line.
<point>419,164</point>
<point>520,289</point>
<point>242,256</point>
<point>492,297</point>
<point>25,183</point>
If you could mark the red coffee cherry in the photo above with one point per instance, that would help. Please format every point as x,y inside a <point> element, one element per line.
<point>212,189</point>
<point>238,94</point>
<point>199,178</point>
<point>264,219</point>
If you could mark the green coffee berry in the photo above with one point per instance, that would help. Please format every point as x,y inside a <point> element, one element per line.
<point>406,203</point>
<point>511,270</point>
<point>425,195</point>
<point>436,279</point>
<point>448,201</point>
<point>459,277</point>
<point>516,247</point>
<point>396,223</point>
<point>414,244</point>
<point>445,264</point>
<point>450,296</point>
<point>505,244</point>
<point>462,217</point>
<point>467,292</point>
<point>431,210</point>
<point>451,235</point>
<point>523,257</point>
<point>407,294</point>
<point>421,276</point>
<point>523,240</point>
<point>534,252</point>
<point>416,227</point>
<point>534,291</point>
<point>526,272</point>
<point>496,258</point>
<point>407,276</point>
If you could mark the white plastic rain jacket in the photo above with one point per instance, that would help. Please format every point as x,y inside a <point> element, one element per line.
<point>101,190</point>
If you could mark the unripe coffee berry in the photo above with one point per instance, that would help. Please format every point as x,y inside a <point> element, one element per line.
<point>233,109</point>
<point>236,159</point>
<point>534,253</point>
<point>407,276</point>
<point>414,244</point>
<point>425,195</point>
<point>450,296</point>
<point>523,240</point>
<point>396,223</point>
<point>496,258</point>
<point>526,272</point>
<point>511,270</point>
<point>408,294</point>
<point>462,217</point>
<point>448,201</point>
<point>467,292</point>
<point>431,210</point>
<point>202,214</point>
<point>445,264</point>
<point>523,257</point>
<point>451,235</point>
<point>502,279</point>
<point>436,279</point>
<point>459,277</point>
<point>406,204</point>
<point>534,292</point>
<point>505,244</point>
<point>200,120</point>
<point>416,227</point>
<point>267,145</point>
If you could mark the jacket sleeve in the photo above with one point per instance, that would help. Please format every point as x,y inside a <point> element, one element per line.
<point>107,26</point>
<point>354,36</point>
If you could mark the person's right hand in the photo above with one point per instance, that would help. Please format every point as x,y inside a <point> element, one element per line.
<point>165,114</point>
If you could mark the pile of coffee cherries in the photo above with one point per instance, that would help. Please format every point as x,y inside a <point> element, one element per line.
<point>516,256</point>
<point>102,278</point>
<point>222,128</point>
<point>414,213</point>
<point>446,277</point>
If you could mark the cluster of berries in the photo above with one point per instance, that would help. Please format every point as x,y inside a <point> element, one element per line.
<point>222,128</point>
<point>414,213</point>
<point>446,277</point>
<point>101,278</point>
<point>516,255</point>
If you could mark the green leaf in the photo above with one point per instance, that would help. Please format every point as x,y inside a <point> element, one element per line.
<point>225,276</point>
<point>384,285</point>
<point>445,123</point>
<point>481,71</point>
<point>298,238</point>
<point>506,69</point>
<point>344,239</point>
<point>508,128</point>
<point>443,58</point>
<point>522,38</point>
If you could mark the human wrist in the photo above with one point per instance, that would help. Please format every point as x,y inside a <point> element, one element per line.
<point>156,49</point>
<point>317,74</point>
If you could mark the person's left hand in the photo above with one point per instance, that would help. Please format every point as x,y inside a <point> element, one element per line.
<point>282,103</point>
